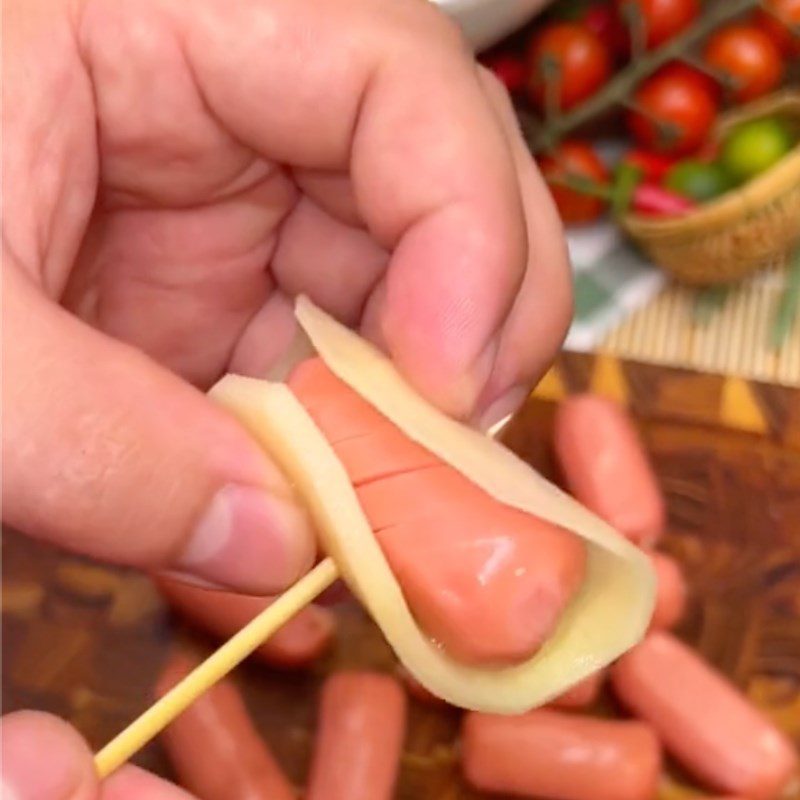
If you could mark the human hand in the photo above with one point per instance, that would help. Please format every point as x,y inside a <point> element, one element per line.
<point>44,759</point>
<point>173,175</point>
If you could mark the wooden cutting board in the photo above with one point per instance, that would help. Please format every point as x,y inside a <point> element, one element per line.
<point>86,642</point>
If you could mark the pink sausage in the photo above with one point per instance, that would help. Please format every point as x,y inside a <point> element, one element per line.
<point>582,694</point>
<point>214,747</point>
<point>606,467</point>
<point>303,639</point>
<point>671,592</point>
<point>709,726</point>
<point>418,691</point>
<point>360,732</point>
<point>547,754</point>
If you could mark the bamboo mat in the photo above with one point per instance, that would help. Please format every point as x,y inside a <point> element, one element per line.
<point>734,341</point>
<point>665,363</point>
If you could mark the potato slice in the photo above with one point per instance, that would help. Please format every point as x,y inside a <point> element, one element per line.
<point>608,615</point>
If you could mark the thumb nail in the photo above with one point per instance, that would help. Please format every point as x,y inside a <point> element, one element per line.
<point>251,540</point>
<point>502,408</point>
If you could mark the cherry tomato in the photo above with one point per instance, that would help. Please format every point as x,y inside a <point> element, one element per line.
<point>677,113</point>
<point>748,56</point>
<point>575,159</point>
<point>653,166</point>
<point>754,146</point>
<point>602,19</point>
<point>681,71</point>
<point>510,69</point>
<point>780,20</point>
<point>698,180</point>
<point>662,19</point>
<point>580,59</point>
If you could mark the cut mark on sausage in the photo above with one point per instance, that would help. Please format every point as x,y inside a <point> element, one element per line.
<point>392,473</point>
<point>488,581</point>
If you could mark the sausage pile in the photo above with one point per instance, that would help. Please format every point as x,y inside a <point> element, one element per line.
<point>675,700</point>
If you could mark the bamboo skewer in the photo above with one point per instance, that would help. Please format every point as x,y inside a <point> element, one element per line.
<point>123,746</point>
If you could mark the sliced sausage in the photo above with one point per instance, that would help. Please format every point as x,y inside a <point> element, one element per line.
<point>547,754</point>
<point>582,694</point>
<point>708,725</point>
<point>418,691</point>
<point>671,592</point>
<point>606,467</point>
<point>302,640</point>
<point>214,747</point>
<point>360,733</point>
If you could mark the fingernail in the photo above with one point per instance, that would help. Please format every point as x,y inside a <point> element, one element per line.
<point>503,407</point>
<point>191,580</point>
<point>250,540</point>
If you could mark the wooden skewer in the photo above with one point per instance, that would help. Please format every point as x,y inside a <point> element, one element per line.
<point>122,747</point>
<point>133,738</point>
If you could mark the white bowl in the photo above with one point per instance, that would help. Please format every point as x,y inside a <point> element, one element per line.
<point>485,22</point>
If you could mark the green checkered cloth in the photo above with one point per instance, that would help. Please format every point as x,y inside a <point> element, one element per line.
<point>611,280</point>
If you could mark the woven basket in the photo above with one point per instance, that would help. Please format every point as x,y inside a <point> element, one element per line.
<point>742,231</point>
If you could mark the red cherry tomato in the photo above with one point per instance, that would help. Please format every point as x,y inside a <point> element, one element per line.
<point>602,19</point>
<point>653,166</point>
<point>598,16</point>
<point>662,19</point>
<point>749,56</point>
<point>510,69</point>
<point>575,159</point>
<point>580,59</point>
<point>681,71</point>
<point>780,20</point>
<point>683,107</point>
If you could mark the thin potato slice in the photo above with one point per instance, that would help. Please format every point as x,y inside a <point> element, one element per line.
<point>608,615</point>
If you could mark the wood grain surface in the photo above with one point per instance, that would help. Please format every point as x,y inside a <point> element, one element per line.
<point>86,642</point>
<point>655,392</point>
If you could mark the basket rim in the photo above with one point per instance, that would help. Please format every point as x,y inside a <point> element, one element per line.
<point>782,177</point>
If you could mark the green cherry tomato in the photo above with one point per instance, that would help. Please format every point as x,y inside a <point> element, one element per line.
<point>699,180</point>
<point>753,147</point>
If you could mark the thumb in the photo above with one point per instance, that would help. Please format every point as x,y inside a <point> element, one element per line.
<point>107,453</point>
<point>43,757</point>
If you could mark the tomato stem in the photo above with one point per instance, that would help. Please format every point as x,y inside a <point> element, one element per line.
<point>551,73</point>
<point>667,131</point>
<point>637,28</point>
<point>583,185</point>
<point>725,79</point>
<point>627,179</point>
